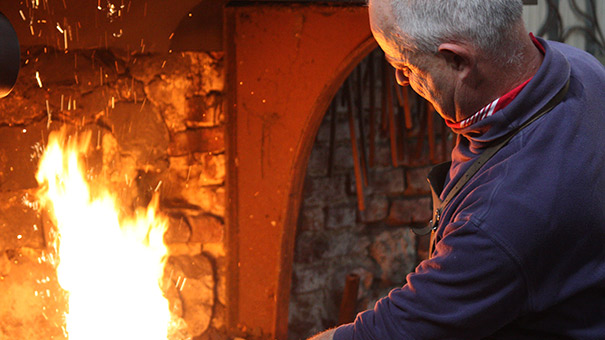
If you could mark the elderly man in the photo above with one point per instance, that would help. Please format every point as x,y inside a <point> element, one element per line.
<point>518,236</point>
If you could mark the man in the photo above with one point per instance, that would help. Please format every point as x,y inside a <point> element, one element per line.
<point>518,249</point>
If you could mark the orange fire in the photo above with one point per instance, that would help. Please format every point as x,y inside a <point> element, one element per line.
<point>109,264</point>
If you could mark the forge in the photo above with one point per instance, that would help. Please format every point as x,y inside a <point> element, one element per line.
<point>285,160</point>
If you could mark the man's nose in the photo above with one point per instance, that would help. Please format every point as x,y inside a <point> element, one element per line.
<point>401,78</point>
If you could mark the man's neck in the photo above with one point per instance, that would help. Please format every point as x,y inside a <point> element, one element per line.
<point>496,79</point>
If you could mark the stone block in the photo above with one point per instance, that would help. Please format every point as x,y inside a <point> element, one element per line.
<point>388,181</point>
<point>140,133</point>
<point>128,89</point>
<point>341,216</point>
<point>197,140</point>
<point>307,315</point>
<point>32,304</point>
<point>18,108</point>
<point>319,190</point>
<point>20,149</point>
<point>345,243</point>
<point>203,111</point>
<point>377,209</point>
<point>169,95</point>
<point>341,131</point>
<point>408,211</point>
<point>178,231</point>
<point>221,284</point>
<point>311,246</point>
<point>211,71</point>
<point>206,229</point>
<point>382,157</point>
<point>395,253</point>
<point>311,218</point>
<point>212,170</point>
<point>307,278</point>
<point>191,278</point>
<point>343,159</point>
<point>422,247</point>
<point>318,162</point>
<point>146,68</point>
<point>20,225</point>
<point>416,181</point>
<point>197,170</point>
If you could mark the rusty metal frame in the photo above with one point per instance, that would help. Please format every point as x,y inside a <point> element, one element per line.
<point>285,62</point>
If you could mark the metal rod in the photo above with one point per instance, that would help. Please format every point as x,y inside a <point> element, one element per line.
<point>348,304</point>
<point>362,136</point>
<point>372,119</point>
<point>332,144</point>
<point>384,96</point>
<point>357,166</point>
<point>400,133</point>
<point>431,131</point>
<point>392,127</point>
<point>406,107</point>
<point>443,142</point>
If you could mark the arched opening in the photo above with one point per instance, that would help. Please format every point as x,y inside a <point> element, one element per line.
<point>364,193</point>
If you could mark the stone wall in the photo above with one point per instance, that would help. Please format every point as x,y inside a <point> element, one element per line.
<point>335,238</point>
<point>157,122</point>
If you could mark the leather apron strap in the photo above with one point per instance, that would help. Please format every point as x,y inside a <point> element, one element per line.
<point>438,174</point>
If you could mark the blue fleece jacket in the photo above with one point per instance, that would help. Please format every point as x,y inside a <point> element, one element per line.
<point>520,251</point>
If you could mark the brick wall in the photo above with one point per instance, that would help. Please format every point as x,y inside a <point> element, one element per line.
<point>335,238</point>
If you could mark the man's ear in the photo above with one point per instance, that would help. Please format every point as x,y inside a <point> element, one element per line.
<point>459,57</point>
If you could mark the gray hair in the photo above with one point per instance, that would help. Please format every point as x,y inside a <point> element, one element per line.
<point>486,24</point>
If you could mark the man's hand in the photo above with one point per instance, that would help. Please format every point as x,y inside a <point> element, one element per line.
<point>327,335</point>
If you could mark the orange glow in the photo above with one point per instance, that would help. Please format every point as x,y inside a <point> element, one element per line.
<point>110,265</point>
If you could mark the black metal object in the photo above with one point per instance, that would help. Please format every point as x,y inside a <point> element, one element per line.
<point>554,28</point>
<point>10,55</point>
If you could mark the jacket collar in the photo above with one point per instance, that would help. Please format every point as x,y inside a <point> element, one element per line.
<point>549,79</point>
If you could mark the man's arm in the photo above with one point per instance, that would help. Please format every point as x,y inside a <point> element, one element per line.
<point>327,335</point>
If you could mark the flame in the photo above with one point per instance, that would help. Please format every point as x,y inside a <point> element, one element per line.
<point>110,265</point>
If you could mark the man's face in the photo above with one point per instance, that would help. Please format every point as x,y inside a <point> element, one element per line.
<point>428,75</point>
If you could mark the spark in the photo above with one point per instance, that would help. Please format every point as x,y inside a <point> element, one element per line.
<point>158,186</point>
<point>38,79</point>
<point>183,284</point>
<point>59,28</point>
<point>48,113</point>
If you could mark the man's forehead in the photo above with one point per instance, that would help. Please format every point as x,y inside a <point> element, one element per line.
<point>392,48</point>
